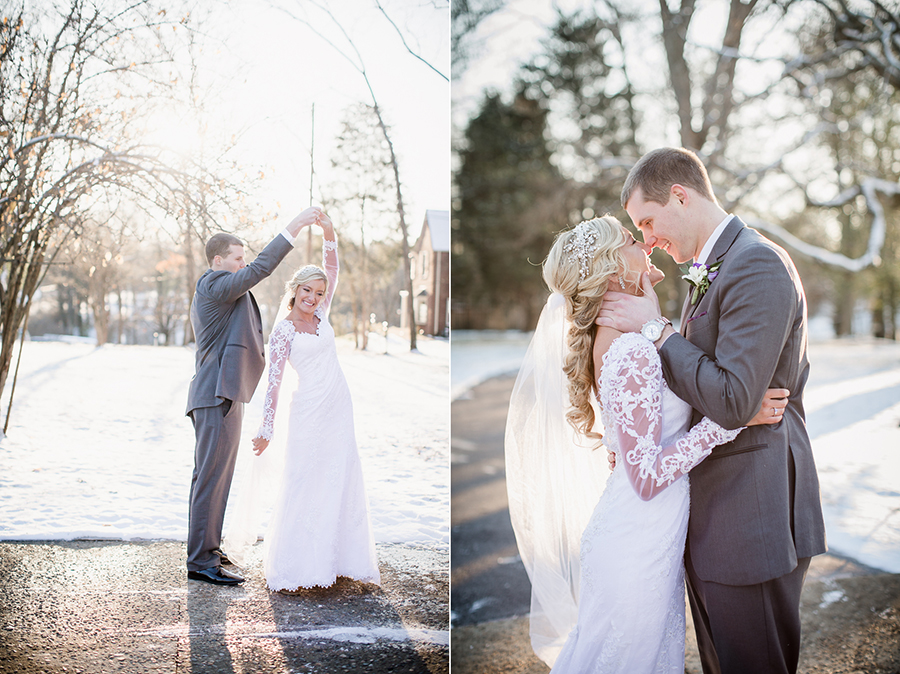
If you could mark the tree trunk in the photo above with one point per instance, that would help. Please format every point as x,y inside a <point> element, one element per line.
<point>844,301</point>
<point>190,283</point>
<point>15,303</point>
<point>97,301</point>
<point>120,323</point>
<point>404,231</point>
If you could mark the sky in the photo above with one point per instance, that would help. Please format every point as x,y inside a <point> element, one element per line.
<point>264,69</point>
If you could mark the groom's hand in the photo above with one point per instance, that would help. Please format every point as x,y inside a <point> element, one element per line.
<point>307,217</point>
<point>628,313</point>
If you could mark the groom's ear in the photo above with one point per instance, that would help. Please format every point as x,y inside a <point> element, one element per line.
<point>680,193</point>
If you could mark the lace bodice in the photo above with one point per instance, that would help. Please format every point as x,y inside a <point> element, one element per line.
<point>630,395</point>
<point>282,336</point>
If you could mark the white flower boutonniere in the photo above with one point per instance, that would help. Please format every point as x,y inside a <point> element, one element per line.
<point>700,276</point>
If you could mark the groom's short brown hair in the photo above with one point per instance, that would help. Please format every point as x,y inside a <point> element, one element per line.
<point>659,169</point>
<point>220,244</point>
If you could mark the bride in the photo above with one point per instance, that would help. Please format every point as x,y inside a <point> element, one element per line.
<point>319,528</point>
<point>607,575</point>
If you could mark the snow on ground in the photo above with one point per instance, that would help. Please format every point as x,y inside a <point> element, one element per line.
<point>853,412</point>
<point>99,446</point>
<point>479,355</point>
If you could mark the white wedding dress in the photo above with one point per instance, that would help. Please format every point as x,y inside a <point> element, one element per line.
<point>319,528</point>
<point>631,599</point>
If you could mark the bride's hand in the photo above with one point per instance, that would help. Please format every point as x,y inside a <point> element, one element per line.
<point>772,409</point>
<point>326,224</point>
<point>259,445</point>
<point>611,457</point>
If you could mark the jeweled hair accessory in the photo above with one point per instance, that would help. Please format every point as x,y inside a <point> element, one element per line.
<point>583,246</point>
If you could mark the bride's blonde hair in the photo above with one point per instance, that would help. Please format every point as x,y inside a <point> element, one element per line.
<point>579,267</point>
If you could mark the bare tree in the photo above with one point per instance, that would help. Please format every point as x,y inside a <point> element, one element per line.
<point>583,78</point>
<point>74,81</point>
<point>352,55</point>
<point>96,255</point>
<point>867,32</point>
<point>360,192</point>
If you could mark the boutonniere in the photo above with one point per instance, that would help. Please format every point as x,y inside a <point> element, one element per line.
<point>700,276</point>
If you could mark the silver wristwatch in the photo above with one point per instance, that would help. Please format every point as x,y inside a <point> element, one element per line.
<point>653,329</point>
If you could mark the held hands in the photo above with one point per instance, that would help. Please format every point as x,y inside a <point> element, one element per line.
<point>326,225</point>
<point>259,445</point>
<point>311,216</point>
<point>770,412</point>
<point>772,409</point>
<point>628,313</point>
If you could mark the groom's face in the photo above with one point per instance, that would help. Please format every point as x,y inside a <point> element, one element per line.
<point>660,225</point>
<point>234,261</point>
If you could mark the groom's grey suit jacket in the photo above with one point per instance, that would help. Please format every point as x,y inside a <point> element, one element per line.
<point>752,515</point>
<point>228,329</point>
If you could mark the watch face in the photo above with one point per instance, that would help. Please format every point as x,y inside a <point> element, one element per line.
<point>651,331</point>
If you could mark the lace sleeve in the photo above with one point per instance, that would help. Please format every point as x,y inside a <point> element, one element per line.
<point>279,349</point>
<point>332,266</point>
<point>633,398</point>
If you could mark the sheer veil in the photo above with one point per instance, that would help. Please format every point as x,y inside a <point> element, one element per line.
<point>554,479</point>
<point>261,483</point>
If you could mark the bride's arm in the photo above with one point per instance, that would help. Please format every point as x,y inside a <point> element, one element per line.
<point>329,257</point>
<point>279,350</point>
<point>635,398</point>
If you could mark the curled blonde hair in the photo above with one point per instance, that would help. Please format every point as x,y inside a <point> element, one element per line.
<point>303,275</point>
<point>583,282</point>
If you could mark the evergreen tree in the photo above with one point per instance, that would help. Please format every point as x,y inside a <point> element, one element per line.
<point>509,202</point>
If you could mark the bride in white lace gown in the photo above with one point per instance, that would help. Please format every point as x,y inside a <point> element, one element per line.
<point>607,576</point>
<point>319,528</point>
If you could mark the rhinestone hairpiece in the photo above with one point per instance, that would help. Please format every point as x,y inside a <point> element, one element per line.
<point>583,246</point>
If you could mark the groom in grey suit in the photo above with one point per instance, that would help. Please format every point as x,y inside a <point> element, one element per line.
<point>229,362</point>
<point>756,516</point>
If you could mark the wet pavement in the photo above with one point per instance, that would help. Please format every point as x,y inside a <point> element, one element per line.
<point>107,606</point>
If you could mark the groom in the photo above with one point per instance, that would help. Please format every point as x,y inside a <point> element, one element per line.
<point>230,361</point>
<point>756,518</point>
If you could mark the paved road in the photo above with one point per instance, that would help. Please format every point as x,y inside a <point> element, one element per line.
<point>487,577</point>
<point>91,606</point>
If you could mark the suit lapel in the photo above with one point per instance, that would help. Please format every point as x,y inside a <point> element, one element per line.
<point>686,311</point>
<point>728,237</point>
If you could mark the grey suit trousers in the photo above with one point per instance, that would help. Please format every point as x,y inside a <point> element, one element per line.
<point>217,431</point>
<point>747,629</point>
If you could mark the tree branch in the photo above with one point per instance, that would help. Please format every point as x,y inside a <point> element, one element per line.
<point>870,187</point>
<point>403,40</point>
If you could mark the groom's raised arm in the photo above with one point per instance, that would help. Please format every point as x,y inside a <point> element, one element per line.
<point>228,286</point>
<point>759,307</point>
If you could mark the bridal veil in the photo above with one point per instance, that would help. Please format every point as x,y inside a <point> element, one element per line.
<point>554,479</point>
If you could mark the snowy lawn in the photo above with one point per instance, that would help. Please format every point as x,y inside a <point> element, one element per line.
<point>99,446</point>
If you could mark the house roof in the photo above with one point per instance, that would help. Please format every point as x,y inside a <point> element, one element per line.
<point>439,224</point>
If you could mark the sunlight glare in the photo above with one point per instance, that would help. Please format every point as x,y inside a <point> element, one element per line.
<point>179,133</point>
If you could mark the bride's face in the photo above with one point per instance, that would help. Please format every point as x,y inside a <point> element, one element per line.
<point>637,255</point>
<point>308,295</point>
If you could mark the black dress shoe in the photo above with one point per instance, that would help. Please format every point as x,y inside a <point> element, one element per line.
<point>223,558</point>
<point>216,575</point>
